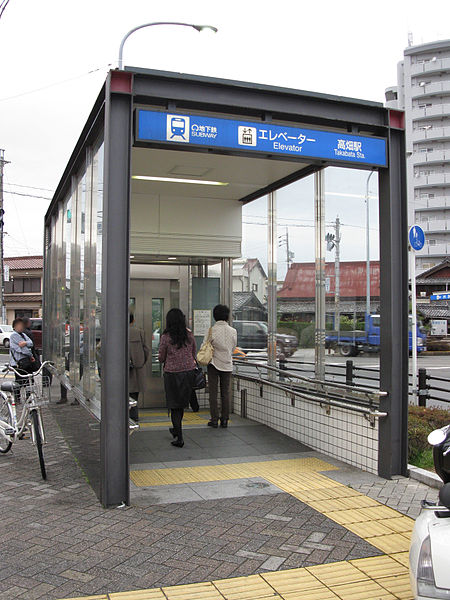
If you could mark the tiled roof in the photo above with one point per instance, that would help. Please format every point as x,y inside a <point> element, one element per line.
<point>431,311</point>
<point>300,281</point>
<point>241,299</point>
<point>22,298</point>
<point>305,306</point>
<point>25,262</point>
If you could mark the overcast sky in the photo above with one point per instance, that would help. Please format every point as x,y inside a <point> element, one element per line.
<point>349,48</point>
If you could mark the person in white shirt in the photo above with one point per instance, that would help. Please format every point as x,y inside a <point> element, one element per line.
<point>224,340</point>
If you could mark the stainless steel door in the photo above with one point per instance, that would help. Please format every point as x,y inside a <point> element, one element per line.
<point>150,299</point>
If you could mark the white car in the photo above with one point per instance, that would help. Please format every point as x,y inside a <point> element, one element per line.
<point>5,334</point>
<point>430,542</point>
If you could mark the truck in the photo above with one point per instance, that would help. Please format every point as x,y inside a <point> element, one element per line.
<point>351,343</point>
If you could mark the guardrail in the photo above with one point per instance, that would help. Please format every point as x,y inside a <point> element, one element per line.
<point>350,397</point>
<point>430,387</point>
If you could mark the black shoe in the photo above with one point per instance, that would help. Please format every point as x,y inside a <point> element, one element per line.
<point>224,423</point>
<point>213,424</point>
<point>173,432</point>
<point>177,443</point>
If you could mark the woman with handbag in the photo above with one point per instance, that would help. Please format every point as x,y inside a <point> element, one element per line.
<point>21,355</point>
<point>223,340</point>
<point>177,351</point>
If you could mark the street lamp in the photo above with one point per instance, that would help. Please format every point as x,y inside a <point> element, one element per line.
<point>196,27</point>
<point>368,247</point>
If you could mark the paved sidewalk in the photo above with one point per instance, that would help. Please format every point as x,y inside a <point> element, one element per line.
<point>58,542</point>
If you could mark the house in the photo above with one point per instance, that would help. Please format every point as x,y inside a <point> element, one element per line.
<point>296,298</point>
<point>247,307</point>
<point>23,288</point>
<point>249,276</point>
<point>436,279</point>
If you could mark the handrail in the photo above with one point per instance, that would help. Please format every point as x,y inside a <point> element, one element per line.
<point>319,386</point>
<point>327,401</point>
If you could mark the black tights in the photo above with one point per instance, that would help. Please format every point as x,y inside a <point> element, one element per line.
<point>177,417</point>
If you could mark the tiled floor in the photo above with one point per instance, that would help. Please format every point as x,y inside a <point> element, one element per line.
<point>289,525</point>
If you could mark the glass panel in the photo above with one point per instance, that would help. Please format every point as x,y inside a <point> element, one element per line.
<point>250,280</point>
<point>97,225</point>
<point>67,245</point>
<point>157,324</point>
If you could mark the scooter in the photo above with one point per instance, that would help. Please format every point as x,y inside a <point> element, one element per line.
<point>429,555</point>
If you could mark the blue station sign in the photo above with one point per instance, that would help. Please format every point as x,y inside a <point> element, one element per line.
<point>440,296</point>
<point>199,130</point>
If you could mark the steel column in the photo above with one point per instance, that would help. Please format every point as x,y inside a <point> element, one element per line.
<point>319,222</point>
<point>272,241</point>
<point>393,430</point>
<point>115,299</point>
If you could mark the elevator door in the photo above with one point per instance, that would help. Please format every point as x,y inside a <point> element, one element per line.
<point>150,299</point>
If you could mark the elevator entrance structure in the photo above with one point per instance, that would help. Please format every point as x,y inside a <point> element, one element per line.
<point>157,181</point>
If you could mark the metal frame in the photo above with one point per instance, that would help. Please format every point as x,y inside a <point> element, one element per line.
<point>115,298</point>
<point>172,91</point>
<point>393,433</point>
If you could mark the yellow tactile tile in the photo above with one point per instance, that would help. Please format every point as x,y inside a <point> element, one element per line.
<point>321,593</point>
<point>279,469</point>
<point>379,566</point>
<point>361,515</point>
<point>246,588</point>
<point>152,594</point>
<point>363,590</point>
<point>369,529</point>
<point>293,580</point>
<point>400,524</point>
<point>395,542</point>
<point>195,591</point>
<point>338,573</point>
<point>402,558</point>
<point>398,585</point>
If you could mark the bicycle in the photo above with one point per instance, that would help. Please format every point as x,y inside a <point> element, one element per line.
<point>34,393</point>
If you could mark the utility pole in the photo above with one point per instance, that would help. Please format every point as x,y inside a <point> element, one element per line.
<point>3,162</point>
<point>284,240</point>
<point>337,276</point>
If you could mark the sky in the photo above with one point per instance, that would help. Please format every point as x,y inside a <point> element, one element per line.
<point>56,54</point>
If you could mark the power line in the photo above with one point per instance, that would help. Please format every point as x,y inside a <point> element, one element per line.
<point>3,5</point>
<point>31,187</point>
<point>46,87</point>
<point>27,195</point>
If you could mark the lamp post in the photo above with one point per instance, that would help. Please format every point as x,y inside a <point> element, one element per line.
<point>368,247</point>
<point>124,39</point>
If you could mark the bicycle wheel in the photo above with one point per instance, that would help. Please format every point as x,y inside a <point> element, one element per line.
<point>6,415</point>
<point>38,440</point>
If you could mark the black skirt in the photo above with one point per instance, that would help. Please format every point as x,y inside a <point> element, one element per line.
<point>178,388</point>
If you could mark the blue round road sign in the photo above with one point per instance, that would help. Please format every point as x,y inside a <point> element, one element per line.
<point>416,237</point>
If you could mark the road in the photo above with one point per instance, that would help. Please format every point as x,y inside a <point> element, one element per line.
<point>436,366</point>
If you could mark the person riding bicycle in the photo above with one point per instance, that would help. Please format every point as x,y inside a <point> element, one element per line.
<point>21,352</point>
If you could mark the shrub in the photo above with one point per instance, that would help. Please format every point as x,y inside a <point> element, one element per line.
<point>421,422</point>
<point>307,337</point>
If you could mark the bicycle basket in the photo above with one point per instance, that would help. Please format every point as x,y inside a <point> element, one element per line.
<point>39,387</point>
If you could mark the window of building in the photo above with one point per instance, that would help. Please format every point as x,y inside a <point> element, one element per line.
<point>21,312</point>
<point>254,287</point>
<point>23,285</point>
<point>431,242</point>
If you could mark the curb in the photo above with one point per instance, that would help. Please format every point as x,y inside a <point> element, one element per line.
<point>435,353</point>
<point>424,476</point>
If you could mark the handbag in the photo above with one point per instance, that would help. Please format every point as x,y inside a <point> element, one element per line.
<point>199,381</point>
<point>206,352</point>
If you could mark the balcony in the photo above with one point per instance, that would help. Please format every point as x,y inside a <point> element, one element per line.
<point>436,226</point>
<point>434,180</point>
<point>431,89</point>
<point>436,203</point>
<point>436,250</point>
<point>432,133</point>
<point>441,64</point>
<point>426,158</point>
<point>430,112</point>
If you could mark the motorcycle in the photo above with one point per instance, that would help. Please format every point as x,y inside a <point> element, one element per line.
<point>429,555</point>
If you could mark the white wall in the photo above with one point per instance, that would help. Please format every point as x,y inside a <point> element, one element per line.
<point>183,226</point>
